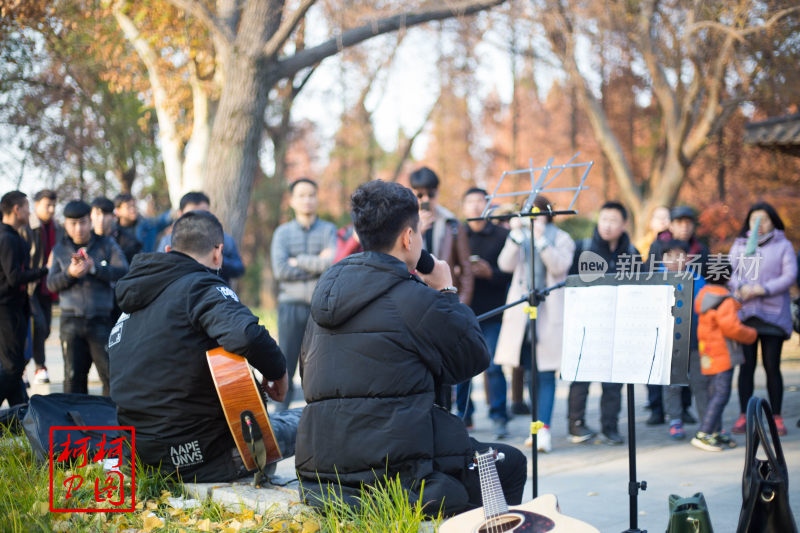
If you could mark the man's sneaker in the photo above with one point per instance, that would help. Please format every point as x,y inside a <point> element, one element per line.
<point>676,431</point>
<point>780,425</point>
<point>543,441</point>
<point>687,417</point>
<point>520,408</point>
<point>724,439</point>
<point>706,442</point>
<point>740,425</point>
<point>656,419</point>
<point>611,437</point>
<point>500,430</point>
<point>578,432</point>
<point>40,377</point>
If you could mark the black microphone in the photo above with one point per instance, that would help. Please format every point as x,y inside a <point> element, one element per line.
<point>425,263</point>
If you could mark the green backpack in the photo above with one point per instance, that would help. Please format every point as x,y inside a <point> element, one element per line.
<point>688,515</point>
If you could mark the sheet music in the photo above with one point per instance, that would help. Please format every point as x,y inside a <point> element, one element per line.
<point>589,345</point>
<point>618,334</point>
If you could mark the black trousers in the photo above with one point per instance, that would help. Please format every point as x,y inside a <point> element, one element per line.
<point>292,319</point>
<point>42,307</point>
<point>512,472</point>
<point>771,347</point>
<point>13,333</point>
<point>83,342</point>
<point>610,404</point>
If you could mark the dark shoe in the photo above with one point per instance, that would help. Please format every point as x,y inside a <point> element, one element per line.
<point>468,422</point>
<point>520,408</point>
<point>612,437</point>
<point>578,432</point>
<point>687,417</point>
<point>656,419</point>
<point>500,430</point>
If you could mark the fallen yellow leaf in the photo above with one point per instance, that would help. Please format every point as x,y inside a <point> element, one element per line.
<point>41,507</point>
<point>151,522</point>
<point>204,525</point>
<point>310,527</point>
<point>152,505</point>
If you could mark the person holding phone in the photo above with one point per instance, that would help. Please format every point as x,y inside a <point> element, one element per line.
<point>83,267</point>
<point>443,235</point>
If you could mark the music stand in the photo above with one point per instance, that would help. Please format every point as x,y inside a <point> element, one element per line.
<point>637,366</point>
<point>542,180</point>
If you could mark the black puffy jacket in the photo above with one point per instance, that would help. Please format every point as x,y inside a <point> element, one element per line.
<point>378,341</point>
<point>174,309</point>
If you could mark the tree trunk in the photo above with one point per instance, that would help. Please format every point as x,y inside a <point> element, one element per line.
<point>235,142</point>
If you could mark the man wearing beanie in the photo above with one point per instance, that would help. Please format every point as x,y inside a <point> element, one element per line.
<point>84,265</point>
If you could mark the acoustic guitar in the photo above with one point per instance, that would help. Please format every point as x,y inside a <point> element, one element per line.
<point>540,515</point>
<point>243,404</point>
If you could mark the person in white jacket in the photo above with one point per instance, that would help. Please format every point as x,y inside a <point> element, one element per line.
<point>554,249</point>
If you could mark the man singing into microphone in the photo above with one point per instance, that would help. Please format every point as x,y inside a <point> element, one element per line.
<point>378,341</point>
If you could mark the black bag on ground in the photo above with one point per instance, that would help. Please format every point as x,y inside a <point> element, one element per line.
<point>765,483</point>
<point>11,418</point>
<point>689,515</point>
<point>62,409</point>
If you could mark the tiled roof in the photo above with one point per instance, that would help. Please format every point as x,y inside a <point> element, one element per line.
<point>781,133</point>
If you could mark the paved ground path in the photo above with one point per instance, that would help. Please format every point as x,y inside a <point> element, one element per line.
<point>590,480</point>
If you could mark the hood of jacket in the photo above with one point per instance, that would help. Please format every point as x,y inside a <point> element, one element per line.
<point>353,283</point>
<point>149,275</point>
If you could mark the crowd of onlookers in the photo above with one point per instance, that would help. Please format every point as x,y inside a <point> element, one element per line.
<point>742,299</point>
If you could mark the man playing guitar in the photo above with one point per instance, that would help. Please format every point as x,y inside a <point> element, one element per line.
<point>175,308</point>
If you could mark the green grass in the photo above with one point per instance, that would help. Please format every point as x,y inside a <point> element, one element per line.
<point>383,508</point>
<point>24,504</point>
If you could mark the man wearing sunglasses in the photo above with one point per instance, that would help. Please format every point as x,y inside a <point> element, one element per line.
<point>443,235</point>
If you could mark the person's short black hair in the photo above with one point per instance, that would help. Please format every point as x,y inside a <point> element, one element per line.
<point>475,190</point>
<point>618,206</point>
<point>771,213</point>
<point>675,244</point>
<point>50,194</point>
<point>103,204</point>
<point>77,209</point>
<point>298,181</point>
<point>122,198</point>
<point>424,178</point>
<point>12,199</point>
<point>197,232</point>
<point>381,210</point>
<point>194,197</point>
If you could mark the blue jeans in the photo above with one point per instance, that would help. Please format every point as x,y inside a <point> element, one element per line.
<point>547,387</point>
<point>719,392</point>
<point>495,376</point>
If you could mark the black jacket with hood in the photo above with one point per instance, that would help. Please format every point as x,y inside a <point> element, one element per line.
<point>174,309</point>
<point>377,342</point>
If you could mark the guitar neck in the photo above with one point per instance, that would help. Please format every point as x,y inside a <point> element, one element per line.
<point>494,502</point>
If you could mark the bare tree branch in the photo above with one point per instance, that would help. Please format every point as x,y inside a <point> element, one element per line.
<point>286,28</point>
<point>288,66</point>
<point>222,35</point>
<point>740,35</point>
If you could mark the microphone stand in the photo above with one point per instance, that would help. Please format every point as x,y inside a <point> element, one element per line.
<point>533,298</point>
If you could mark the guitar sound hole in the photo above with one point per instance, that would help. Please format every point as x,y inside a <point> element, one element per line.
<point>518,521</point>
<point>501,523</point>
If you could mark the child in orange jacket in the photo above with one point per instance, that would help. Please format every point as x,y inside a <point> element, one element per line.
<point>719,332</point>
